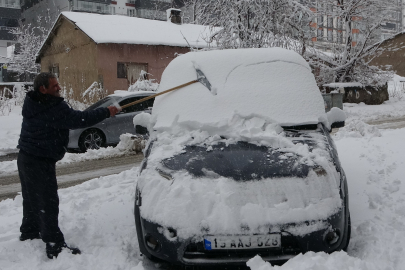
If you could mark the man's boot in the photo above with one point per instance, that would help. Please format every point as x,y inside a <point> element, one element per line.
<point>29,236</point>
<point>53,249</point>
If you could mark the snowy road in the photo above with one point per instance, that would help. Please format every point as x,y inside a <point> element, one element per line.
<point>388,123</point>
<point>74,173</point>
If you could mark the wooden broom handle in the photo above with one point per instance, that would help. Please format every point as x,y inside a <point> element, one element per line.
<point>161,93</point>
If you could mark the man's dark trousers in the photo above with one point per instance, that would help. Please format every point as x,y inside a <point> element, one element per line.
<point>40,197</point>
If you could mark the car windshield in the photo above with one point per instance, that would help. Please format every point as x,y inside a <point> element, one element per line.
<point>105,102</point>
<point>241,161</point>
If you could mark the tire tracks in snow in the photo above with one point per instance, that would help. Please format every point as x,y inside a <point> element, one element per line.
<point>74,173</point>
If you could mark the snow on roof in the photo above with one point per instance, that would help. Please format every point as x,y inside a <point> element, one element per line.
<point>132,30</point>
<point>124,93</point>
<point>344,84</point>
<point>272,83</point>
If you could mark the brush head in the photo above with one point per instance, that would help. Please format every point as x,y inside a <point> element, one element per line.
<point>204,81</point>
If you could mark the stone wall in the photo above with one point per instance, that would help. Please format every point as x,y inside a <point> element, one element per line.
<point>369,95</point>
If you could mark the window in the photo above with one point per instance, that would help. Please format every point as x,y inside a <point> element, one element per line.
<point>320,27</point>
<point>131,12</point>
<point>121,70</point>
<point>130,71</point>
<point>137,107</point>
<point>55,70</point>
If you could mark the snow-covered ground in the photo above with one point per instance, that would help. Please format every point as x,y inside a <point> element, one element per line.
<point>97,216</point>
<point>10,128</point>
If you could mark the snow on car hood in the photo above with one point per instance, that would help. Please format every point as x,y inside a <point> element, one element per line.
<point>216,205</point>
<point>272,83</point>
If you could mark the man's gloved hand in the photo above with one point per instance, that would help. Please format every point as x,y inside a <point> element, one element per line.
<point>113,110</point>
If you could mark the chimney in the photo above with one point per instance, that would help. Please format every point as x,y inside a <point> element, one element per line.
<point>174,15</point>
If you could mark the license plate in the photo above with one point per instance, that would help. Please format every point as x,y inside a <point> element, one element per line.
<point>242,241</point>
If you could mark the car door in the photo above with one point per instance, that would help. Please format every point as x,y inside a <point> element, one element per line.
<point>123,121</point>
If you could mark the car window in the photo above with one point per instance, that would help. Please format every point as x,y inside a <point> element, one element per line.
<point>137,107</point>
<point>105,102</point>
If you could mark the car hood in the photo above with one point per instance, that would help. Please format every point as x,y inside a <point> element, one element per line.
<point>217,186</point>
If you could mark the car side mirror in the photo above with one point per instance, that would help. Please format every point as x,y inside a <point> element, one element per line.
<point>336,118</point>
<point>338,124</point>
<point>141,130</point>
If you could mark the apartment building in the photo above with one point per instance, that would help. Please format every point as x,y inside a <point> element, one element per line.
<point>147,9</point>
<point>9,16</point>
<point>328,29</point>
<point>393,24</point>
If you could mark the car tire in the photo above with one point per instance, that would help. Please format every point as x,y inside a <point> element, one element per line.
<point>91,139</point>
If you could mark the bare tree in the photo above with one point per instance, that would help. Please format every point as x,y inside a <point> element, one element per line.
<point>29,41</point>
<point>349,57</point>
<point>192,10</point>
<point>257,23</point>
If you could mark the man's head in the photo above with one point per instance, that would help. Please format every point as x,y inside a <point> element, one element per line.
<point>47,83</point>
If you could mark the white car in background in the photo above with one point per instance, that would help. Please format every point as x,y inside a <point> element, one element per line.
<point>108,131</point>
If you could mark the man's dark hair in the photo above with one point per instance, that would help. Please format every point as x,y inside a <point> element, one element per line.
<point>42,79</point>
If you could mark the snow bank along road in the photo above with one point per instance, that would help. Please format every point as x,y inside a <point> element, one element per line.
<point>390,123</point>
<point>73,173</point>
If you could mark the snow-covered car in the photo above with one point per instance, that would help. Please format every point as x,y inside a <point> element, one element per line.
<point>245,168</point>
<point>108,131</point>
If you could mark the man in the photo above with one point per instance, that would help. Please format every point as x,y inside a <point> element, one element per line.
<point>44,137</point>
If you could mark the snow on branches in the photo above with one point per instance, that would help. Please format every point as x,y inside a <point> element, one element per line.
<point>345,55</point>
<point>349,59</point>
<point>29,40</point>
<point>258,23</point>
<point>94,93</point>
<point>144,84</point>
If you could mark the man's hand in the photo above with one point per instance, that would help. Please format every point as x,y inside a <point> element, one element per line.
<point>113,110</point>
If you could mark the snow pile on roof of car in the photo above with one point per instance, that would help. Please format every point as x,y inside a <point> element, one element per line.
<point>272,83</point>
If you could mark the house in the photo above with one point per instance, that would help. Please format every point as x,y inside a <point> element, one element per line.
<point>392,55</point>
<point>84,48</point>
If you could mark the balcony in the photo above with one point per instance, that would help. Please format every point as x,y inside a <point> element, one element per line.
<point>10,4</point>
<point>93,7</point>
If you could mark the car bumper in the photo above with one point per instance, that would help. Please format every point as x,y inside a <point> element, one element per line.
<point>192,252</point>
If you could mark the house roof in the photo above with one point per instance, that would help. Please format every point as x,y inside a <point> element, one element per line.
<point>131,30</point>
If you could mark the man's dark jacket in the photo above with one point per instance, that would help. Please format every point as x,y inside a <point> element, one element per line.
<point>46,123</point>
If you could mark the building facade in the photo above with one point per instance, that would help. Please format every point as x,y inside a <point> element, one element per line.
<point>9,19</point>
<point>147,9</point>
<point>84,48</point>
<point>329,29</point>
<point>393,24</point>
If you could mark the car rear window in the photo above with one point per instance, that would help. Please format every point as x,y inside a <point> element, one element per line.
<point>105,102</point>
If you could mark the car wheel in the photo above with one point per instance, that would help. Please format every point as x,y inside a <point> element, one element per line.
<point>91,139</point>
